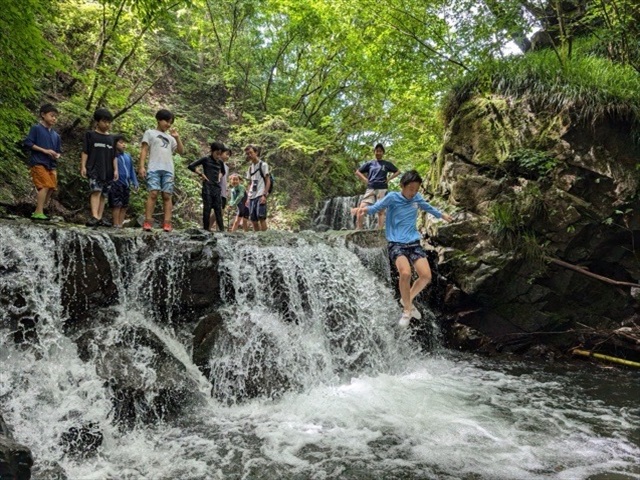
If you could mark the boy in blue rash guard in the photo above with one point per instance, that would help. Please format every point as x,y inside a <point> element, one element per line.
<point>404,238</point>
<point>120,190</point>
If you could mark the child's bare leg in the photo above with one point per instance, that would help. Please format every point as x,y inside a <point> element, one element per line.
<point>167,205</point>
<point>41,199</point>
<point>424,277</point>
<point>359,217</point>
<point>404,281</point>
<point>245,224</point>
<point>101,202</point>
<point>94,203</point>
<point>150,205</point>
<point>115,213</point>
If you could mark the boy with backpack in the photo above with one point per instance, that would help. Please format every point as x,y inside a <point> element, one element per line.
<point>45,148</point>
<point>260,183</point>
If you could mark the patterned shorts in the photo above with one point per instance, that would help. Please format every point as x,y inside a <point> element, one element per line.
<point>103,186</point>
<point>413,251</point>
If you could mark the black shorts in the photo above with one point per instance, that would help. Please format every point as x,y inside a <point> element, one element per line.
<point>413,251</point>
<point>243,210</point>
<point>119,195</point>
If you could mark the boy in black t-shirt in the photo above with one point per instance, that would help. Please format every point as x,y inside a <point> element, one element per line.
<point>99,165</point>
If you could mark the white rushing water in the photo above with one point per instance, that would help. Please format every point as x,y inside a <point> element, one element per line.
<point>360,399</point>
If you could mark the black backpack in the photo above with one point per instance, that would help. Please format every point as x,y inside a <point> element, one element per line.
<point>271,177</point>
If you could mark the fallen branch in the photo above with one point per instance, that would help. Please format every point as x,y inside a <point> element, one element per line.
<point>586,272</point>
<point>600,356</point>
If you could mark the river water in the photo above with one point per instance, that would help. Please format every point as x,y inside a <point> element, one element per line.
<point>363,400</point>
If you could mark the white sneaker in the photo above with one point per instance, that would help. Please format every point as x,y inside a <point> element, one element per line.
<point>415,313</point>
<point>405,319</point>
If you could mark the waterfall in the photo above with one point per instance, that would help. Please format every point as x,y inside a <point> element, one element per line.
<point>335,214</point>
<point>306,374</point>
<point>300,315</point>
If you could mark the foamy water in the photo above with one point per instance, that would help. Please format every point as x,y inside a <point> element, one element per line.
<point>362,400</point>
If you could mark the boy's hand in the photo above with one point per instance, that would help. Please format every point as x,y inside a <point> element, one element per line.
<point>83,172</point>
<point>115,176</point>
<point>174,133</point>
<point>142,173</point>
<point>447,218</point>
<point>53,154</point>
<point>358,211</point>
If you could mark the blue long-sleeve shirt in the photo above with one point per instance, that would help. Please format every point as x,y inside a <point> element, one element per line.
<point>402,214</point>
<point>46,138</point>
<point>126,172</point>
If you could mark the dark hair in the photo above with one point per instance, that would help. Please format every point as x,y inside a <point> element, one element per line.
<point>410,177</point>
<point>219,147</point>
<point>47,108</point>
<point>117,138</point>
<point>253,147</point>
<point>165,115</point>
<point>102,114</point>
<point>379,146</point>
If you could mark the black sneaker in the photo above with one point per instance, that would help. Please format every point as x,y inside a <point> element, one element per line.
<point>104,223</point>
<point>93,222</point>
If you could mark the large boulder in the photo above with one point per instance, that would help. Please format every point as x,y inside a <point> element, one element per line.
<point>549,201</point>
<point>146,379</point>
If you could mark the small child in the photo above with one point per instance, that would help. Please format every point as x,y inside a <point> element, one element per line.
<point>45,146</point>
<point>404,239</point>
<point>121,188</point>
<point>159,146</point>
<point>239,200</point>
<point>98,163</point>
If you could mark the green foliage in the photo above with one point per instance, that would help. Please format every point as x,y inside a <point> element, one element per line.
<point>25,59</point>
<point>588,86</point>
<point>512,216</point>
<point>535,162</point>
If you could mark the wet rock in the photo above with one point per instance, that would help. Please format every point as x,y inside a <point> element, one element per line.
<point>15,460</point>
<point>146,380</point>
<point>204,339</point>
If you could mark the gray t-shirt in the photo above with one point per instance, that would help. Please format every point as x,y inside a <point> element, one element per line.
<point>256,183</point>
<point>223,182</point>
<point>161,148</point>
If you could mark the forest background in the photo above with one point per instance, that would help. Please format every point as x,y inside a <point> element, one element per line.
<point>315,83</point>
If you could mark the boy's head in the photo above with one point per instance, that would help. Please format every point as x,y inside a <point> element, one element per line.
<point>234,179</point>
<point>48,114</point>
<point>410,182</point>
<point>120,143</point>
<point>378,150</point>
<point>48,108</point>
<point>165,119</point>
<point>219,147</point>
<point>103,119</point>
<point>251,151</point>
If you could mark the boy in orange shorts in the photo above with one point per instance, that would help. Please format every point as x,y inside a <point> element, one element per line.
<point>45,146</point>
